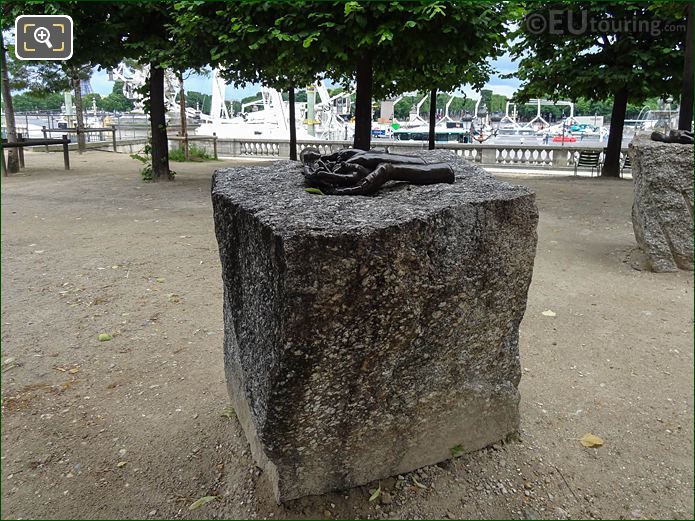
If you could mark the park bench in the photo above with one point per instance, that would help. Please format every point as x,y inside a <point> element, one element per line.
<point>23,142</point>
<point>588,159</point>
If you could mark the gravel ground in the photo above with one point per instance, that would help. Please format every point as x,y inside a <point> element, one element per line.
<point>139,426</point>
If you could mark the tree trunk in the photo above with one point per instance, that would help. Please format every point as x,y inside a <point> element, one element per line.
<point>685,115</point>
<point>611,160</point>
<point>184,120</point>
<point>79,113</point>
<point>160,145</point>
<point>433,116</point>
<point>363,103</point>
<point>293,126</point>
<point>12,153</point>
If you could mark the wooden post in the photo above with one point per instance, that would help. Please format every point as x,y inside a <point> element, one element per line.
<point>66,153</point>
<point>214,144</point>
<point>113,137</point>
<point>20,150</point>
<point>43,129</point>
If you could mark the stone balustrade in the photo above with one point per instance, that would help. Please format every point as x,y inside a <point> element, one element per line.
<point>556,157</point>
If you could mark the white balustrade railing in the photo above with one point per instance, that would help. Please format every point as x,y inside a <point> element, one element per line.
<point>259,148</point>
<point>505,155</point>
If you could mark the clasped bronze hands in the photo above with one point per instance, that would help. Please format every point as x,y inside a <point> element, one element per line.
<point>359,172</point>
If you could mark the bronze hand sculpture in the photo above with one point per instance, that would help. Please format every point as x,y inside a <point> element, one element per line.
<point>358,172</point>
<point>684,137</point>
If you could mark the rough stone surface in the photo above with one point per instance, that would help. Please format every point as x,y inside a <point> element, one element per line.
<point>370,336</point>
<point>662,212</point>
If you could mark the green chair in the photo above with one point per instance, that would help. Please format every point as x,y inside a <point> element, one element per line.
<point>588,159</point>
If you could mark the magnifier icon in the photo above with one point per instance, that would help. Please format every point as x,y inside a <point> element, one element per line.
<point>43,35</point>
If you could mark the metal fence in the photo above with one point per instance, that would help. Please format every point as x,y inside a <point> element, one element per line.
<point>128,126</point>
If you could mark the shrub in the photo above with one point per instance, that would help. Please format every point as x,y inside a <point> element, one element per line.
<point>195,153</point>
<point>146,159</point>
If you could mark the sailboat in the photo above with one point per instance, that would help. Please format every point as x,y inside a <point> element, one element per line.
<point>269,117</point>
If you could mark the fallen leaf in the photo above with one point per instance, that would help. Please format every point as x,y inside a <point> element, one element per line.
<point>591,441</point>
<point>121,464</point>
<point>229,412</point>
<point>200,502</point>
<point>105,337</point>
<point>8,360</point>
<point>456,451</point>
<point>314,191</point>
<point>548,313</point>
<point>160,279</point>
<point>418,484</point>
<point>376,493</point>
<point>65,386</point>
<point>73,370</point>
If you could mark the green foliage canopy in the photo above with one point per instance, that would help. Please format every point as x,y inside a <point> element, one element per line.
<point>595,65</point>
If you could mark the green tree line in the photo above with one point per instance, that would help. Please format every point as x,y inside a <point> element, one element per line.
<point>53,101</point>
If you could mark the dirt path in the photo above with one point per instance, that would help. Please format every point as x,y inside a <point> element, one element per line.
<point>134,427</point>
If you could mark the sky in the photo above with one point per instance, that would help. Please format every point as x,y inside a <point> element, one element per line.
<point>504,65</point>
